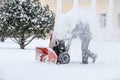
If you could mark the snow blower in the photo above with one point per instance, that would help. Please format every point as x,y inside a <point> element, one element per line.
<point>58,54</point>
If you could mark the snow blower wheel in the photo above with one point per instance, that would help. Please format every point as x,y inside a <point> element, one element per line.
<point>64,58</point>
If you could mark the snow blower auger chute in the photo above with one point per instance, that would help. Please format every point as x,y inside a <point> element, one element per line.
<point>44,54</point>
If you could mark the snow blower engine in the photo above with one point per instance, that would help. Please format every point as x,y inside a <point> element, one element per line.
<point>62,52</point>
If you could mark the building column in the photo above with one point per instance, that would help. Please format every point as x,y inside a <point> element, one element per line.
<point>93,23</point>
<point>75,3</point>
<point>59,8</point>
<point>93,5</point>
<point>111,20</point>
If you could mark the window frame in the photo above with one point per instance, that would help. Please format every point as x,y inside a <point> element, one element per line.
<point>119,20</point>
<point>103,20</point>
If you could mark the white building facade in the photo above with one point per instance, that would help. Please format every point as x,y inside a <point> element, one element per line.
<point>106,15</point>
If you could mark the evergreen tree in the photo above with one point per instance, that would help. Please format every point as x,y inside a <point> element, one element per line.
<point>3,24</point>
<point>27,20</point>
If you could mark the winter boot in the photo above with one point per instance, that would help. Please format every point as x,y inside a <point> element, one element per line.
<point>92,55</point>
<point>94,58</point>
<point>85,58</point>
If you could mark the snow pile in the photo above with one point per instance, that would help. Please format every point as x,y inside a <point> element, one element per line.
<point>17,64</point>
<point>67,22</point>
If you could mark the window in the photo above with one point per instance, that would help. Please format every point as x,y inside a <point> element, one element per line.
<point>118,20</point>
<point>103,20</point>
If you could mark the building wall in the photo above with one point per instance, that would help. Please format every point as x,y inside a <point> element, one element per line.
<point>52,4</point>
<point>66,6</point>
<point>102,7</point>
<point>84,4</point>
<point>117,9</point>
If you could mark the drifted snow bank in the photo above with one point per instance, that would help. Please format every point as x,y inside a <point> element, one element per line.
<point>17,64</point>
<point>67,22</point>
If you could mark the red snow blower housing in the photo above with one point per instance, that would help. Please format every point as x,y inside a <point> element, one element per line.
<point>57,54</point>
<point>44,54</point>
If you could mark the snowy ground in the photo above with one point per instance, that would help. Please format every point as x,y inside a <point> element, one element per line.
<point>17,64</point>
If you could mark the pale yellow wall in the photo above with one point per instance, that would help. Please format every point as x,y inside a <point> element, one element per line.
<point>52,5</point>
<point>85,4</point>
<point>43,2</point>
<point>118,6</point>
<point>102,6</point>
<point>67,6</point>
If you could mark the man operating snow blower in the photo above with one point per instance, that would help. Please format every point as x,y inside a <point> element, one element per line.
<point>74,24</point>
<point>59,46</point>
<point>61,43</point>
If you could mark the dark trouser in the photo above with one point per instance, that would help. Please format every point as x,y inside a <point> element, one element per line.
<point>84,48</point>
<point>87,53</point>
<point>55,48</point>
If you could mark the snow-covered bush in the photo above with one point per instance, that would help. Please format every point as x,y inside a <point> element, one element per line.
<point>26,20</point>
